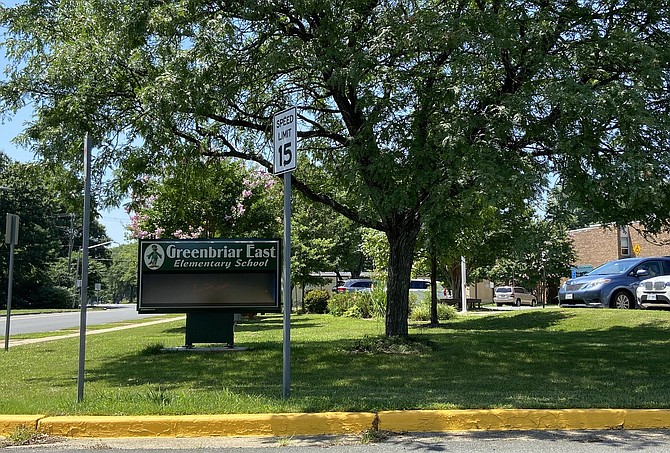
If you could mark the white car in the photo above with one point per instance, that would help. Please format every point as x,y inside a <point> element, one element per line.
<point>654,292</point>
<point>355,285</point>
<point>420,287</point>
<point>515,295</point>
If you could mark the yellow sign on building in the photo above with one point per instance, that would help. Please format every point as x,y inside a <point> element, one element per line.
<point>637,249</point>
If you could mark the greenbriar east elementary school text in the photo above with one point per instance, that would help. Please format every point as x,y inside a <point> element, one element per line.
<point>252,258</point>
<point>227,255</point>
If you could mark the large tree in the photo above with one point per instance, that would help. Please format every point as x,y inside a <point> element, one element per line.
<point>24,193</point>
<point>46,258</point>
<point>400,103</point>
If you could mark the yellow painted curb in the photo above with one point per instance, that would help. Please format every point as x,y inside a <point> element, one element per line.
<point>522,419</point>
<point>646,419</point>
<point>8,423</point>
<point>209,425</point>
<point>339,422</point>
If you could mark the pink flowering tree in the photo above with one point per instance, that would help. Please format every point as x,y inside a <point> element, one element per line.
<point>225,199</point>
<point>212,198</point>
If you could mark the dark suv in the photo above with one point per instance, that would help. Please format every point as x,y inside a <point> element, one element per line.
<point>613,284</point>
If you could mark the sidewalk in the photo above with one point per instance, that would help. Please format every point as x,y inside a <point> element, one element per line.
<point>88,332</point>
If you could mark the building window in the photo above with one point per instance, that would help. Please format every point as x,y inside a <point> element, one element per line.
<point>624,242</point>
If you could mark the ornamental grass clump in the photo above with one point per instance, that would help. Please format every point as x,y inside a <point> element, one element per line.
<point>421,311</point>
<point>362,304</point>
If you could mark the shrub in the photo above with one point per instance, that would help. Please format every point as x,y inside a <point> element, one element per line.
<point>446,312</point>
<point>378,302</point>
<point>316,301</point>
<point>49,297</point>
<point>338,304</point>
<point>421,312</point>
<point>354,312</point>
<point>364,304</point>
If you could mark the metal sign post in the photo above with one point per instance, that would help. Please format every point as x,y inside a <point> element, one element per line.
<point>84,267</point>
<point>287,287</point>
<point>284,132</point>
<point>11,238</point>
<point>464,286</point>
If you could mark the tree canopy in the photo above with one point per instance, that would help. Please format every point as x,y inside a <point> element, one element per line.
<point>403,106</point>
<point>44,267</point>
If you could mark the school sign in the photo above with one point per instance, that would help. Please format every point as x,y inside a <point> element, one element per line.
<point>222,275</point>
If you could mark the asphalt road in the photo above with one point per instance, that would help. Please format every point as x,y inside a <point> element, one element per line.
<point>651,441</point>
<point>50,322</point>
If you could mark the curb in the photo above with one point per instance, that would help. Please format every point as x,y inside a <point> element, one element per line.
<point>9,423</point>
<point>523,419</point>
<point>306,424</point>
<point>257,425</point>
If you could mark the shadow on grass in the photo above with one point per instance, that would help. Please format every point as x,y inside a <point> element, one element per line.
<point>260,324</point>
<point>520,321</point>
<point>490,362</point>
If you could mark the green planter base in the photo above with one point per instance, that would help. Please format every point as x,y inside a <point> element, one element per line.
<point>210,328</point>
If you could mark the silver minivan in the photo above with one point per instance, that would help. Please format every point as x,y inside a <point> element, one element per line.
<point>514,295</point>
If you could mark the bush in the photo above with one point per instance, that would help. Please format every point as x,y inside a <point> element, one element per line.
<point>364,304</point>
<point>338,304</point>
<point>354,312</point>
<point>374,303</point>
<point>421,312</point>
<point>49,297</point>
<point>316,301</point>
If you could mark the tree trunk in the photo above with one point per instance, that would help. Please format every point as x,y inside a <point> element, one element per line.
<point>401,234</point>
<point>455,277</point>
<point>302,296</point>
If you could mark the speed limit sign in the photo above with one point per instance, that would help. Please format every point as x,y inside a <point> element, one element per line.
<point>284,132</point>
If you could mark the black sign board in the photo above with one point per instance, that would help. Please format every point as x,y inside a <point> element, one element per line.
<point>225,275</point>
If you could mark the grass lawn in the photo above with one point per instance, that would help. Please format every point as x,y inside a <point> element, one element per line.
<point>544,358</point>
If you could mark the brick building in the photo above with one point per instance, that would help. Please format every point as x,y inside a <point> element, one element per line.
<point>597,245</point>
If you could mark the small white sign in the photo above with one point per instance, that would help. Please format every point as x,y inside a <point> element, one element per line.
<point>284,132</point>
<point>12,229</point>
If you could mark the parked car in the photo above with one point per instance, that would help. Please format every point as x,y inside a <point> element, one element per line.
<point>612,285</point>
<point>514,295</point>
<point>355,284</point>
<point>338,283</point>
<point>420,287</point>
<point>654,292</point>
